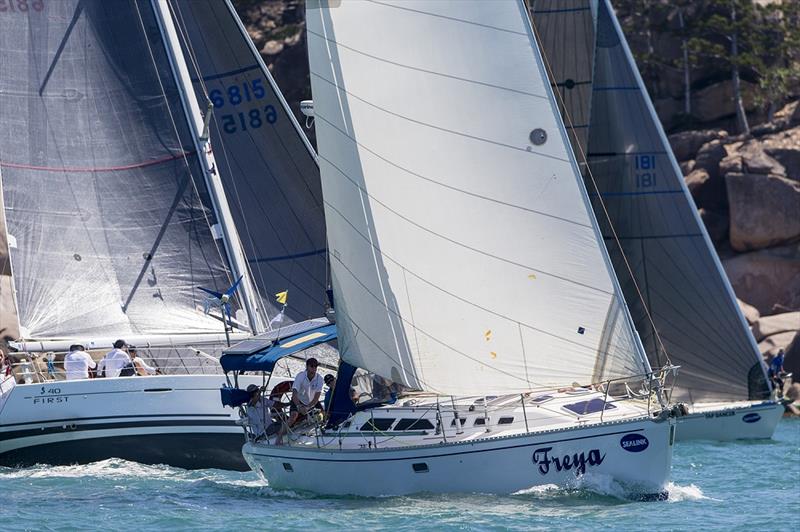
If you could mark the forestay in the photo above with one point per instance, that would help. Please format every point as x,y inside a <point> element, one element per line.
<point>675,266</point>
<point>267,167</point>
<point>464,253</point>
<point>107,215</point>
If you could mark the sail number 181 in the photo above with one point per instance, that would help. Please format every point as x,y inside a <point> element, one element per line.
<point>645,171</point>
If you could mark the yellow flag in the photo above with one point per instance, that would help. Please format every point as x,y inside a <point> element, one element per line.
<point>280,297</point>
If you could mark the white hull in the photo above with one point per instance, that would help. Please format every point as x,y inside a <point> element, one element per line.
<point>504,464</point>
<point>730,421</point>
<point>176,420</point>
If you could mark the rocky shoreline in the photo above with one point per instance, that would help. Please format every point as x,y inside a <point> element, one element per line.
<point>747,189</point>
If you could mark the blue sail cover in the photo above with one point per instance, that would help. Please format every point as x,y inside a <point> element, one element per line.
<point>266,358</point>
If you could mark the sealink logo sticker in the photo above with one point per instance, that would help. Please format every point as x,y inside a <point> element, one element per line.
<point>751,417</point>
<point>634,443</point>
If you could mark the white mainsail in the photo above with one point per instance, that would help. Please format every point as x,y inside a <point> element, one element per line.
<point>464,252</point>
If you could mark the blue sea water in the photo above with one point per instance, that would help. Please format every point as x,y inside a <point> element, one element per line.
<point>715,486</point>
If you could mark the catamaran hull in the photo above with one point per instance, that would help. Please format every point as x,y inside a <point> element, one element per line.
<point>637,454</point>
<point>174,420</point>
<point>728,423</point>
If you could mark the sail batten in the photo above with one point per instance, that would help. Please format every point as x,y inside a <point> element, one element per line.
<point>464,255</point>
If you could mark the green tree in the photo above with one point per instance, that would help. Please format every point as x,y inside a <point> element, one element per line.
<point>781,78</point>
<point>730,32</point>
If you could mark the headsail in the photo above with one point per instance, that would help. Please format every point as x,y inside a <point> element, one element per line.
<point>103,191</point>
<point>565,32</point>
<point>675,265</point>
<point>464,252</point>
<point>267,166</point>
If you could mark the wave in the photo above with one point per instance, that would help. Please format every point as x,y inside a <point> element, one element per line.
<point>593,484</point>
<point>686,493</point>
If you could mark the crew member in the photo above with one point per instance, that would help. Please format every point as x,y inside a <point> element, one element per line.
<point>141,367</point>
<point>259,412</point>
<point>77,363</point>
<point>775,371</point>
<point>111,365</point>
<point>306,390</point>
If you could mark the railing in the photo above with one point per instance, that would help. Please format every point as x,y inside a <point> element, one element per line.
<point>49,367</point>
<point>652,390</point>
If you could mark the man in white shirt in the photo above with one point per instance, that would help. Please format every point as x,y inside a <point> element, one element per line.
<point>77,363</point>
<point>306,390</point>
<point>114,361</point>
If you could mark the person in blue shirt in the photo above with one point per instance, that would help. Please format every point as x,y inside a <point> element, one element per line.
<point>775,371</point>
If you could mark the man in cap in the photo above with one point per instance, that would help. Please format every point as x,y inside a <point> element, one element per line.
<point>77,363</point>
<point>111,365</point>
<point>306,390</point>
<point>259,415</point>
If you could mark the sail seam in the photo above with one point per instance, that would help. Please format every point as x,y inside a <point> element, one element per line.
<point>454,19</point>
<point>79,169</point>
<point>456,242</point>
<point>444,185</point>
<point>418,69</point>
<point>404,320</point>
<point>455,296</point>
<point>527,149</point>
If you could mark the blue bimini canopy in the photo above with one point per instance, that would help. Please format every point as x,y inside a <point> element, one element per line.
<point>262,352</point>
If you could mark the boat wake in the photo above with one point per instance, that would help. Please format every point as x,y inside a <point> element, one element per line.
<point>686,493</point>
<point>593,485</point>
<point>115,469</point>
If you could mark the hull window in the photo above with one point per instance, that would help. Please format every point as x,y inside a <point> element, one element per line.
<point>420,468</point>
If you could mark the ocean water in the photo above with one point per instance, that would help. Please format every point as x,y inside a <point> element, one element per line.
<point>715,486</point>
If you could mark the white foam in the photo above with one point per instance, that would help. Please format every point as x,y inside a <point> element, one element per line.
<point>544,489</point>
<point>601,485</point>
<point>685,493</point>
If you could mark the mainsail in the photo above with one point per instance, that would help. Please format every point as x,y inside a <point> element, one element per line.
<point>107,213</point>
<point>464,252</point>
<point>267,167</point>
<point>680,281</point>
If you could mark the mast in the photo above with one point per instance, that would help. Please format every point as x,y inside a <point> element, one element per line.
<point>222,210</point>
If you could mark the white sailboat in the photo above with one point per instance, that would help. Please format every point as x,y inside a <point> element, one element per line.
<point>118,212</point>
<point>670,273</point>
<point>467,264</point>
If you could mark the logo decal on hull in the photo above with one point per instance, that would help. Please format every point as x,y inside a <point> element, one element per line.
<point>752,417</point>
<point>634,443</point>
<point>577,461</point>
